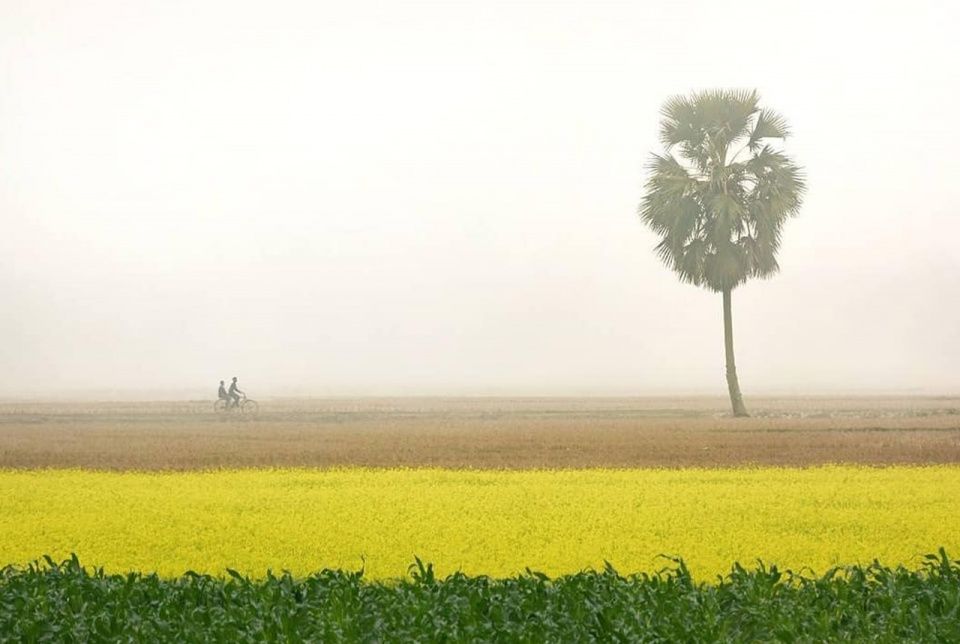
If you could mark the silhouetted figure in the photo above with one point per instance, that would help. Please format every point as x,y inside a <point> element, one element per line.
<point>222,392</point>
<point>234,393</point>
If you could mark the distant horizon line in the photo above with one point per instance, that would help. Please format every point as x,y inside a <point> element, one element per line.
<point>187,394</point>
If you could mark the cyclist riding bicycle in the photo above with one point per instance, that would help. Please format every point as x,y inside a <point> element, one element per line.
<point>234,394</point>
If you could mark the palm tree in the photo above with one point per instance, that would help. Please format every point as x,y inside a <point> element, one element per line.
<point>720,202</point>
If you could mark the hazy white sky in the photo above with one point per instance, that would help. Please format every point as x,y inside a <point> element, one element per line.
<point>387,197</point>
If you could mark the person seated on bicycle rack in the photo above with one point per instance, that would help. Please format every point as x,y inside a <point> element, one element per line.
<point>222,393</point>
<point>234,393</point>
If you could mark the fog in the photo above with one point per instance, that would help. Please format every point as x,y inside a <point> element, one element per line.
<point>343,198</point>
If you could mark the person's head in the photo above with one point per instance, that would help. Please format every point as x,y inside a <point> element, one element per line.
<point>221,382</point>
<point>234,378</point>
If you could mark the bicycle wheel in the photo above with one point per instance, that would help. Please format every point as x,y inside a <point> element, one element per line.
<point>220,407</point>
<point>249,407</point>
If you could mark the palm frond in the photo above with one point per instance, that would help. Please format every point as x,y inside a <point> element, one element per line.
<point>769,125</point>
<point>725,115</point>
<point>679,123</point>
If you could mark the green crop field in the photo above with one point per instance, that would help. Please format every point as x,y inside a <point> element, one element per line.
<point>66,602</point>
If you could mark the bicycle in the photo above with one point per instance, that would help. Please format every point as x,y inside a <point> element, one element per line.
<point>246,406</point>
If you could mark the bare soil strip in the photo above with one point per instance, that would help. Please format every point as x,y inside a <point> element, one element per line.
<point>481,433</point>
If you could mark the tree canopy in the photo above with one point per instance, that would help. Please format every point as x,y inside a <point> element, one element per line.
<point>720,193</point>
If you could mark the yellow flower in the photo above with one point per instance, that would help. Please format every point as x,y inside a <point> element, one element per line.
<point>481,522</point>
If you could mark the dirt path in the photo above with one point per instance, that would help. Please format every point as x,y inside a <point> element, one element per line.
<point>482,433</point>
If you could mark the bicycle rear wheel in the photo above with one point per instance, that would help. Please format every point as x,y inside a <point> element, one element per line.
<point>220,406</point>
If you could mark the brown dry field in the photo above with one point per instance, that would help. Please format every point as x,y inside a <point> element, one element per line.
<point>482,433</point>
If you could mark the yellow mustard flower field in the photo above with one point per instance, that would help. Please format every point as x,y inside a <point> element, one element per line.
<point>480,522</point>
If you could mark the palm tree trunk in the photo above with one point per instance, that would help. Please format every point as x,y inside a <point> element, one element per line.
<point>733,385</point>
